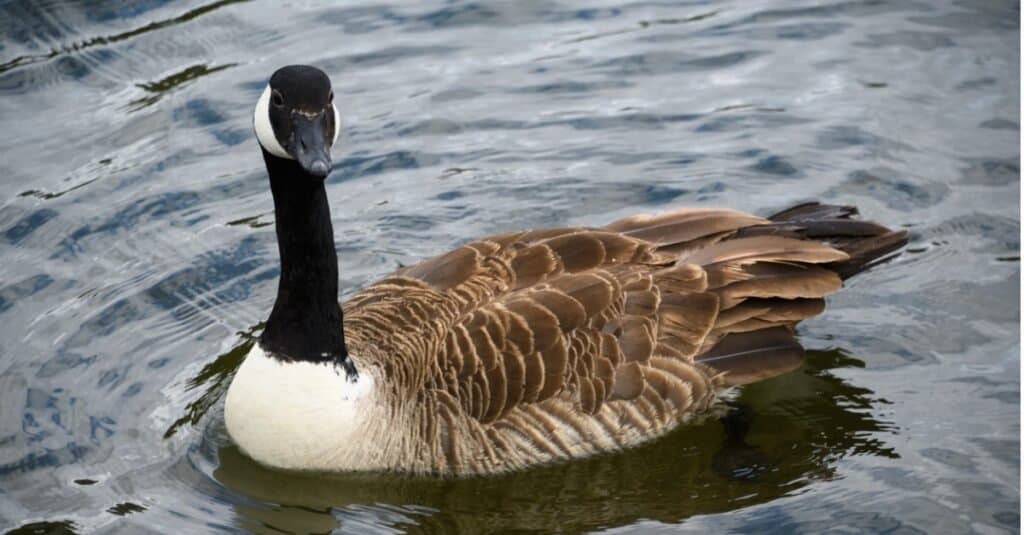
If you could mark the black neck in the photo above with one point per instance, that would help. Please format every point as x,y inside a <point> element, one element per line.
<point>305,323</point>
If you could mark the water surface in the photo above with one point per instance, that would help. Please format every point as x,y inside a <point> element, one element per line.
<point>139,257</point>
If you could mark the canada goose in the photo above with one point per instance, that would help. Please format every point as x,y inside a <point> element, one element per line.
<point>519,348</point>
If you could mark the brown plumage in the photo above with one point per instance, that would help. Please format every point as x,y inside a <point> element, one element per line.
<point>537,346</point>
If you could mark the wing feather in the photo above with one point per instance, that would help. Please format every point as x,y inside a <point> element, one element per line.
<point>557,342</point>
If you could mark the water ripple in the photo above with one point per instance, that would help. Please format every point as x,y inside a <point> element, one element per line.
<point>139,253</point>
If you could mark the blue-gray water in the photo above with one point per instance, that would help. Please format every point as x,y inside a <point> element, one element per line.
<point>138,255</point>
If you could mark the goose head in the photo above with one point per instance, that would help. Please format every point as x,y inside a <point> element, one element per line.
<point>295,118</point>
<point>297,124</point>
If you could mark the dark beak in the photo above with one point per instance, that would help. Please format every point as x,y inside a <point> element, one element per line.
<point>310,144</point>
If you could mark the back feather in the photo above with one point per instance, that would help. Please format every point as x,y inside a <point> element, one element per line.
<point>557,343</point>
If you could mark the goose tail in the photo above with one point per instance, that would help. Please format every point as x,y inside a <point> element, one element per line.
<point>867,243</point>
<point>782,276</point>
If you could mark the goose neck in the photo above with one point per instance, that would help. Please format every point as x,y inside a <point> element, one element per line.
<point>305,323</point>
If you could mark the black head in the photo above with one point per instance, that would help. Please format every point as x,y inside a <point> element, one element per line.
<point>296,119</point>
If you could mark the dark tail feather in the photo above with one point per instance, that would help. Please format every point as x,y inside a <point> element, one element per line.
<point>815,210</point>
<point>867,243</point>
<point>868,252</point>
<point>752,356</point>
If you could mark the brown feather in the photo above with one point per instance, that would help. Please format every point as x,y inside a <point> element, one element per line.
<point>635,280</point>
<point>534,346</point>
<point>787,281</point>
<point>619,249</point>
<point>518,333</point>
<point>484,348</point>
<point>748,357</point>
<point>628,381</point>
<point>752,324</point>
<point>569,312</point>
<point>771,310</point>
<point>697,217</point>
<point>497,393</point>
<point>690,226</point>
<point>533,264</point>
<point>556,360</point>
<point>766,248</point>
<point>533,376</point>
<point>587,397</point>
<point>591,290</point>
<point>685,319</point>
<point>578,252</point>
<point>642,303</point>
<point>534,236</point>
<point>542,323</point>
<point>446,271</point>
<point>515,378</point>
<point>636,338</point>
<point>682,278</point>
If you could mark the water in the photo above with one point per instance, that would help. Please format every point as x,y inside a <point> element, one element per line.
<point>139,257</point>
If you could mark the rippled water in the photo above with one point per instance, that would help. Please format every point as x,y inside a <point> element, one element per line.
<point>138,262</point>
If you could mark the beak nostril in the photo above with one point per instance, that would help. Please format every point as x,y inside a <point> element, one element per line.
<point>319,168</point>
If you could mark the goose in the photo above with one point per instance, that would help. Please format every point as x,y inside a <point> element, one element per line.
<point>521,348</point>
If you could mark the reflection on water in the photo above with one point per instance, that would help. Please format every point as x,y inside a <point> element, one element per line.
<point>139,256</point>
<point>215,377</point>
<point>797,427</point>
<point>61,527</point>
<point>26,11</point>
<point>158,88</point>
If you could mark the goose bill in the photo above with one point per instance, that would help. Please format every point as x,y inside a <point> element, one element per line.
<point>310,146</point>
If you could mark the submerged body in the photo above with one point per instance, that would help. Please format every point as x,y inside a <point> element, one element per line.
<point>528,347</point>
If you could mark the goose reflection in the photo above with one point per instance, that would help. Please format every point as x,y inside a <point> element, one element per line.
<point>777,437</point>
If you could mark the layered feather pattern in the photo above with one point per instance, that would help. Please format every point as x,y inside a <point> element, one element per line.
<point>531,347</point>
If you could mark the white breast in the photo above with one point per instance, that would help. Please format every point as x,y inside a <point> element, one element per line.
<point>301,415</point>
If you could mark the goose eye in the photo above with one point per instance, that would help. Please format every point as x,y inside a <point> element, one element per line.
<point>276,99</point>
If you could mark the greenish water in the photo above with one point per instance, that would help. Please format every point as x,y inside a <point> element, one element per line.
<point>139,257</point>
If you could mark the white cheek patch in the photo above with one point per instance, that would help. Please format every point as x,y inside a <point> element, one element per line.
<point>264,131</point>
<point>337,124</point>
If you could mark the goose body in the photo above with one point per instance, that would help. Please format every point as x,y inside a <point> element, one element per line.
<point>527,347</point>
